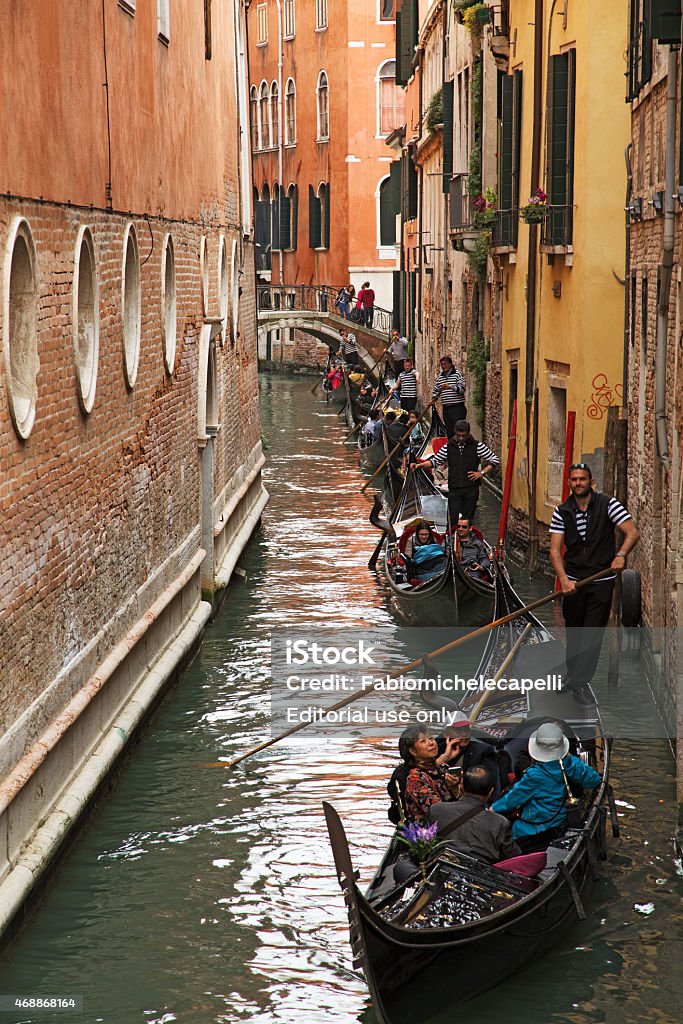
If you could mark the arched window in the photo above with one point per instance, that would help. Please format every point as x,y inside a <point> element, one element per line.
<point>391,99</point>
<point>275,115</point>
<point>254,112</point>
<point>290,112</point>
<point>324,198</point>
<point>86,318</point>
<point>293,205</point>
<point>131,305</point>
<point>275,217</point>
<point>387,212</point>
<point>322,93</point>
<point>264,118</point>
<point>20,328</point>
<point>263,230</point>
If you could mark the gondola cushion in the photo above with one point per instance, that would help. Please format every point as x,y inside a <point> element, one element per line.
<point>528,865</point>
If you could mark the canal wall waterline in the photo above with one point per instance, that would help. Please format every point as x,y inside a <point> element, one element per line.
<point>47,785</point>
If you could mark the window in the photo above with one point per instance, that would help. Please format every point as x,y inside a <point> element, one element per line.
<point>254,114</point>
<point>204,274</point>
<point>557,432</point>
<point>290,113</point>
<point>20,329</point>
<point>319,217</point>
<point>322,94</point>
<point>262,24</point>
<point>163,20</point>
<point>509,135</point>
<point>386,10</point>
<point>389,196</point>
<point>275,218</point>
<point>274,115</point>
<point>558,225</point>
<point>320,14</point>
<point>262,230</point>
<point>289,19</point>
<point>512,394</point>
<point>293,211</point>
<point>168,303</point>
<point>86,318</point>
<point>407,34</point>
<point>234,289</point>
<point>264,117</point>
<point>391,99</point>
<point>223,283</point>
<point>207,29</point>
<point>131,305</point>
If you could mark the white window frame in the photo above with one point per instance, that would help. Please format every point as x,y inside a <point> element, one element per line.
<point>321,15</point>
<point>385,21</point>
<point>288,20</point>
<point>290,139</point>
<point>164,21</point>
<point>262,23</point>
<point>273,113</point>
<point>319,135</point>
<point>22,407</point>
<point>255,120</point>
<point>87,379</point>
<point>265,134</point>
<point>378,81</point>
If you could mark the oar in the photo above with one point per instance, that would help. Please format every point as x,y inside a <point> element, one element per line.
<point>394,450</point>
<point>413,665</point>
<point>483,700</point>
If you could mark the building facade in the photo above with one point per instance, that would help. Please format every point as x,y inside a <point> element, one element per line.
<point>130,474</point>
<point>323,101</point>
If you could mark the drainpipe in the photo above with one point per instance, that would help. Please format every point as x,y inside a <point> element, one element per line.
<point>666,264</point>
<point>279,137</point>
<point>530,359</point>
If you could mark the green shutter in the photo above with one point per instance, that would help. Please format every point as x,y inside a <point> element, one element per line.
<point>447,99</point>
<point>406,40</point>
<point>294,218</point>
<point>326,216</point>
<point>412,190</point>
<point>275,218</point>
<point>645,46</point>
<point>557,147</point>
<point>632,90</point>
<point>401,76</point>
<point>313,219</point>
<point>285,221</point>
<point>395,187</point>
<point>665,20</point>
<point>505,162</point>
<point>571,118</point>
<point>517,97</point>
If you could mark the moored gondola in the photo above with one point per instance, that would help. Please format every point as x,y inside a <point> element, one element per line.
<point>372,455</point>
<point>427,946</point>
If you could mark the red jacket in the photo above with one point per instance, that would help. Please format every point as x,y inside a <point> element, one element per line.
<point>366,298</point>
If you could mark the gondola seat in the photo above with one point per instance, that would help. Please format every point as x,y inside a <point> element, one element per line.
<point>528,865</point>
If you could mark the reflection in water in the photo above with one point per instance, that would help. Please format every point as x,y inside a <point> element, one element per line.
<point>201,896</point>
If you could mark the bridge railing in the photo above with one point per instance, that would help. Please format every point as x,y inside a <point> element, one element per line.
<point>314,298</point>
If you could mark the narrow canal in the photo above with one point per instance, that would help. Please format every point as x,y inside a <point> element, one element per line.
<point>202,896</point>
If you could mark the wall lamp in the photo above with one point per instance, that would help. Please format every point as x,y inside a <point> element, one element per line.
<point>635,208</point>
<point>657,202</point>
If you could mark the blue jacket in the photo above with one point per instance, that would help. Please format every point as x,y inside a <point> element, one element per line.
<point>541,794</point>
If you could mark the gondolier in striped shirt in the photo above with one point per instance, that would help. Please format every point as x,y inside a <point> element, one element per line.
<point>464,455</point>
<point>586,524</point>
<point>406,385</point>
<point>449,386</point>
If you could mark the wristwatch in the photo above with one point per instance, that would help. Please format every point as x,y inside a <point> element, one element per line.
<point>620,554</point>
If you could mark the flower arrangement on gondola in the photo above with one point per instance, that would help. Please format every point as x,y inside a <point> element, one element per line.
<point>421,839</point>
<point>485,209</point>
<point>536,209</point>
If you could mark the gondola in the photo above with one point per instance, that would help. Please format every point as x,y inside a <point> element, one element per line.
<point>427,947</point>
<point>420,498</point>
<point>372,456</point>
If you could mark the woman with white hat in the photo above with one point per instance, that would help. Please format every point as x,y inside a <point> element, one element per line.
<point>541,794</point>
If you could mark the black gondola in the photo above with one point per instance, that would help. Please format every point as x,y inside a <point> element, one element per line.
<point>425,948</point>
<point>372,455</point>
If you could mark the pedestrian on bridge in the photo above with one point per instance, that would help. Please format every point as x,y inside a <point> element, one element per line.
<point>366,303</point>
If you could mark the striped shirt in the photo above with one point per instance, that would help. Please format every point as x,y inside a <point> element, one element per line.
<point>454,390</point>
<point>615,510</point>
<point>483,451</point>
<point>407,384</point>
<point>348,344</point>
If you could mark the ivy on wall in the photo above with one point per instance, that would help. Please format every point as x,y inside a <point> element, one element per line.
<point>476,365</point>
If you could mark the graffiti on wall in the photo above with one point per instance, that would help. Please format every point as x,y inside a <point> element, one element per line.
<point>603,396</point>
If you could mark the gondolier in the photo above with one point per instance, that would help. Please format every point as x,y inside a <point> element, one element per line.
<point>406,385</point>
<point>464,455</point>
<point>449,386</point>
<point>347,347</point>
<point>398,351</point>
<point>586,524</point>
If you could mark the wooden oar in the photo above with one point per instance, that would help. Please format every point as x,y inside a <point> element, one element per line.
<point>413,665</point>
<point>486,695</point>
<point>395,449</point>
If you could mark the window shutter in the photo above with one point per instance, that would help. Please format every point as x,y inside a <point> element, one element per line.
<point>401,78</point>
<point>412,189</point>
<point>395,187</point>
<point>646,46</point>
<point>447,99</point>
<point>505,184</point>
<point>396,300</point>
<point>294,218</point>
<point>275,218</point>
<point>632,89</point>
<point>665,20</point>
<point>516,151</point>
<point>285,221</point>
<point>313,219</point>
<point>557,147</point>
<point>326,215</point>
<point>571,114</point>
<point>407,35</point>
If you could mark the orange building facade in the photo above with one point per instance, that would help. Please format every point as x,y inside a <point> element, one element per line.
<point>323,101</point>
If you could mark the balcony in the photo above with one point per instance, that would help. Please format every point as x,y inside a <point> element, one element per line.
<point>557,230</point>
<point>505,230</point>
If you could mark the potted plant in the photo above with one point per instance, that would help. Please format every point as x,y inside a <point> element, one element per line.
<point>536,209</point>
<point>434,111</point>
<point>485,209</point>
<point>474,16</point>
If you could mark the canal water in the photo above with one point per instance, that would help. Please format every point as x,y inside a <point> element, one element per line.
<point>207,896</point>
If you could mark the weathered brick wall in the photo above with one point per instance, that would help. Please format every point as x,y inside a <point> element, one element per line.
<point>91,505</point>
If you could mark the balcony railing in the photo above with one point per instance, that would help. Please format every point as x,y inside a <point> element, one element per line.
<point>558,226</point>
<point>506,228</point>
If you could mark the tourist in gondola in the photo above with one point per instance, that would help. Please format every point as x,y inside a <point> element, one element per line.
<point>467,753</point>
<point>543,792</point>
<point>372,428</point>
<point>472,552</point>
<point>422,779</point>
<point>406,385</point>
<point>449,386</point>
<point>484,834</point>
<point>398,351</point>
<point>586,524</point>
<point>394,429</point>
<point>464,455</point>
<point>426,555</point>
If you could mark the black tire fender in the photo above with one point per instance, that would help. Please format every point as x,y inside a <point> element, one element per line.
<point>631,607</point>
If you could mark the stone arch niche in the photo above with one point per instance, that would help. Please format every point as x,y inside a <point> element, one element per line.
<point>20,326</point>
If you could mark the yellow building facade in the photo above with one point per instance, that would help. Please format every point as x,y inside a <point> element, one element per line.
<point>561,287</point>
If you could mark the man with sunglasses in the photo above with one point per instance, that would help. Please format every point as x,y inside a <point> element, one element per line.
<point>586,524</point>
